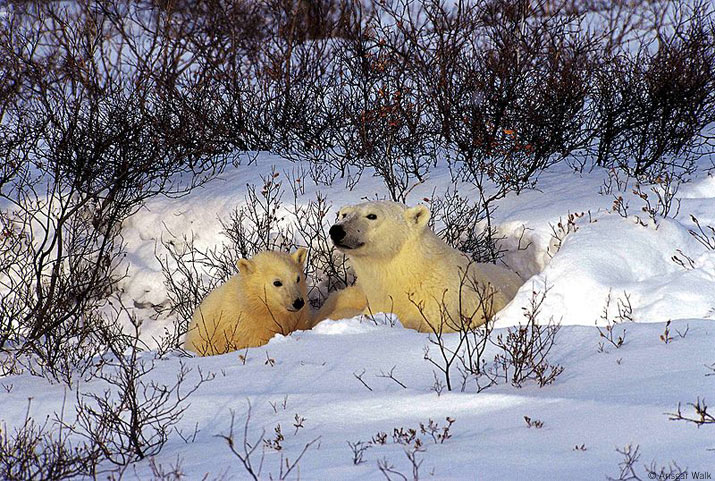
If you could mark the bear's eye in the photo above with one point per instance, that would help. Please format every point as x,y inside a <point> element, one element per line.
<point>371,216</point>
<point>277,283</point>
<point>344,216</point>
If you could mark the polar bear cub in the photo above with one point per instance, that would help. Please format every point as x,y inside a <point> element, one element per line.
<point>403,267</point>
<point>266,297</point>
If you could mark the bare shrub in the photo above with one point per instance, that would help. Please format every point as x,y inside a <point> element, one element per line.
<point>37,451</point>
<point>522,354</point>
<point>705,234</point>
<point>533,423</point>
<point>653,105</point>
<point>412,446</point>
<point>439,434</point>
<point>471,336</point>
<point>462,224</point>
<point>628,465</point>
<point>92,134</point>
<point>358,449</point>
<point>524,349</point>
<point>411,442</point>
<point>501,132</point>
<point>561,230</point>
<point>133,416</point>
<point>173,472</point>
<point>246,450</point>
<point>700,416</point>
<point>667,337</point>
<point>327,269</point>
<point>613,332</point>
<point>628,469</point>
<point>391,375</point>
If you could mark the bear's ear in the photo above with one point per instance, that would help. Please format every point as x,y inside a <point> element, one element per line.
<point>245,266</point>
<point>417,215</point>
<point>300,255</point>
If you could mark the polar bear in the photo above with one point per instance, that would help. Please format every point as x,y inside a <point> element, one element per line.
<point>266,297</point>
<point>403,267</point>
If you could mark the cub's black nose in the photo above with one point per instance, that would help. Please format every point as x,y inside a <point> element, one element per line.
<point>298,303</point>
<point>337,233</point>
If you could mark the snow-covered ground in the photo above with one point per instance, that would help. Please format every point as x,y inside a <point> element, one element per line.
<point>604,399</point>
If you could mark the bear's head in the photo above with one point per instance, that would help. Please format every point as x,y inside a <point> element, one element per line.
<point>276,279</point>
<point>377,229</point>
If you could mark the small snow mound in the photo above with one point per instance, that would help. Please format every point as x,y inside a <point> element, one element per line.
<point>700,189</point>
<point>356,325</point>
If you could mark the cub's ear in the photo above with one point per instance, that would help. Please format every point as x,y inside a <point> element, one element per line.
<point>300,255</point>
<point>417,215</point>
<point>246,266</point>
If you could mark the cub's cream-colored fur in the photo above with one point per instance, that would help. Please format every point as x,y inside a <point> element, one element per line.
<point>404,268</point>
<point>249,308</point>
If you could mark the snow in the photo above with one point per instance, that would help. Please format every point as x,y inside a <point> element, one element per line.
<point>603,400</point>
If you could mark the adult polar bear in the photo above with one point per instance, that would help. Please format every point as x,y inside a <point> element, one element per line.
<point>404,268</point>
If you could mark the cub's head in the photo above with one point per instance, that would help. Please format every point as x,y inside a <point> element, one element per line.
<point>277,279</point>
<point>377,229</point>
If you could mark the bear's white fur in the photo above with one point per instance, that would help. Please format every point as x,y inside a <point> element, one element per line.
<point>249,309</point>
<point>404,268</point>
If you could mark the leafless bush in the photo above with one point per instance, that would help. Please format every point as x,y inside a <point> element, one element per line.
<point>612,332</point>
<point>159,472</point>
<point>37,451</point>
<point>627,466</point>
<point>496,87</point>
<point>652,106</point>
<point>462,224</point>
<point>705,234</point>
<point>246,450</point>
<point>524,350</point>
<point>533,423</point>
<point>93,129</point>
<point>629,472</point>
<point>131,419</point>
<point>391,375</point>
<point>411,442</point>
<point>133,416</point>
<point>467,353</point>
<point>358,449</point>
<point>500,129</point>
<point>522,354</point>
<point>700,417</point>
<point>561,230</point>
<point>327,269</point>
<point>412,446</point>
<point>439,434</point>
<point>666,337</point>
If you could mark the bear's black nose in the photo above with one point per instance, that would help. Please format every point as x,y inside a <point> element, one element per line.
<point>298,303</point>
<point>337,233</point>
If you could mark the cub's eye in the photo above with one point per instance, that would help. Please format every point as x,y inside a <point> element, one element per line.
<point>297,279</point>
<point>343,215</point>
<point>277,283</point>
<point>371,216</point>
